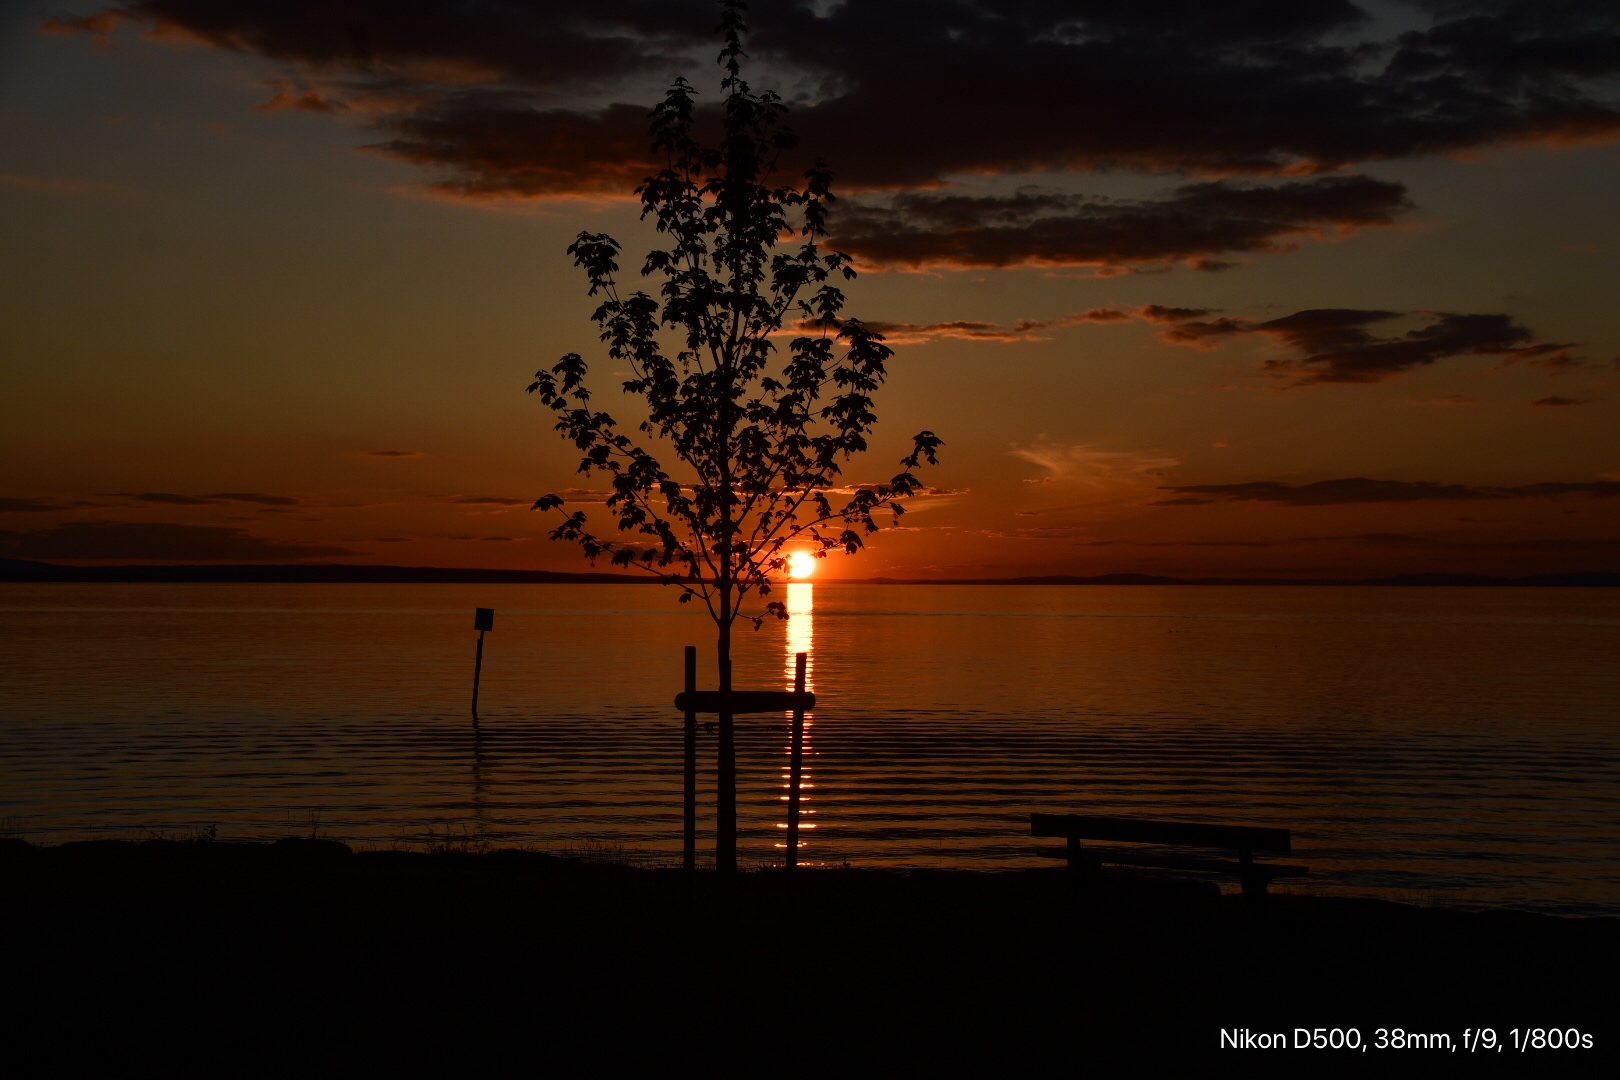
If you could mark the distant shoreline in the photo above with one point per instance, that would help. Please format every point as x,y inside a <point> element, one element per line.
<point>19,570</point>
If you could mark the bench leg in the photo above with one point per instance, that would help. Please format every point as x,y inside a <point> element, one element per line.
<point>1078,861</point>
<point>1254,885</point>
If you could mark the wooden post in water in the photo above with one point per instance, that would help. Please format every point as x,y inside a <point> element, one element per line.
<point>689,836</point>
<point>483,619</point>
<point>795,765</point>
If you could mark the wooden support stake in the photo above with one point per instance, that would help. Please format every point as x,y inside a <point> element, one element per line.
<point>689,836</point>
<point>795,766</point>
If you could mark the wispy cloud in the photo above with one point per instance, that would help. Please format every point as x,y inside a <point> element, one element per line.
<point>1052,532</point>
<point>908,333</point>
<point>1448,400</point>
<point>311,101</point>
<point>1092,475</point>
<point>172,498</point>
<point>45,185</point>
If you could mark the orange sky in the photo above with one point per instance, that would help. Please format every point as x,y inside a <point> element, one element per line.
<point>232,332</point>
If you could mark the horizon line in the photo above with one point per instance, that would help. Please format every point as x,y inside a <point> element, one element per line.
<point>17,571</point>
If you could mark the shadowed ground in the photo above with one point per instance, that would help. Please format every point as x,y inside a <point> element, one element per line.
<point>301,948</point>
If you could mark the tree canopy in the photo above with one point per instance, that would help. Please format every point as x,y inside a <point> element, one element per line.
<point>763,437</point>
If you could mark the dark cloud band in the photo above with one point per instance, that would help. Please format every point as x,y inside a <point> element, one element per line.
<point>157,541</point>
<point>1334,345</point>
<point>171,498</point>
<point>906,93</point>
<point>1193,222</point>
<point>1359,489</point>
<point>506,98</point>
<point>27,506</point>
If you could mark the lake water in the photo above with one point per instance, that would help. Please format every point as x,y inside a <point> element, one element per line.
<point>1445,745</point>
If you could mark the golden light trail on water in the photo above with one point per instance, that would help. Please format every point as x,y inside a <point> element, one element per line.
<point>800,638</point>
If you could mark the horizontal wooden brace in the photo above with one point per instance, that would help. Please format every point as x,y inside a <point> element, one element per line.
<point>744,701</point>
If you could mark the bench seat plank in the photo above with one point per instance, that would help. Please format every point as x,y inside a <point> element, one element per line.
<point>1179,833</point>
<point>1130,857</point>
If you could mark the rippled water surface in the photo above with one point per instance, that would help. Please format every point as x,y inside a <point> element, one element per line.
<point>1458,745</point>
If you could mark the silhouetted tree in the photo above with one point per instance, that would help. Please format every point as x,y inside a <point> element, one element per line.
<point>759,437</point>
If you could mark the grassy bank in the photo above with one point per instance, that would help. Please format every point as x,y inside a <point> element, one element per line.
<point>303,934</point>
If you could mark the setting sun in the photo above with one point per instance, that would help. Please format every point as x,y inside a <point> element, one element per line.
<point>801,564</point>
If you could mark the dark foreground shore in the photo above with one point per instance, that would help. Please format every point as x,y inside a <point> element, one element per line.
<point>298,949</point>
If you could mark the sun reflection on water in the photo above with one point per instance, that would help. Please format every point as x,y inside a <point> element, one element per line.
<point>800,638</point>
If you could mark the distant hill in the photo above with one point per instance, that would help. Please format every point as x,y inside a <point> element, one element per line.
<point>333,573</point>
<point>1584,579</point>
<point>313,573</point>
<point>1048,579</point>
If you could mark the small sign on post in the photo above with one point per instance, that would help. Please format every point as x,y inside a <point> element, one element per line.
<point>483,619</point>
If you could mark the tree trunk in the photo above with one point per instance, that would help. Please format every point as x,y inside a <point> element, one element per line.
<point>725,795</point>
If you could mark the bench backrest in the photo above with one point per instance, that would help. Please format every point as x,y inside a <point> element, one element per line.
<point>1137,831</point>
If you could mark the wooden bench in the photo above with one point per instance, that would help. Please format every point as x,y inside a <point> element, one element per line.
<point>1244,839</point>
